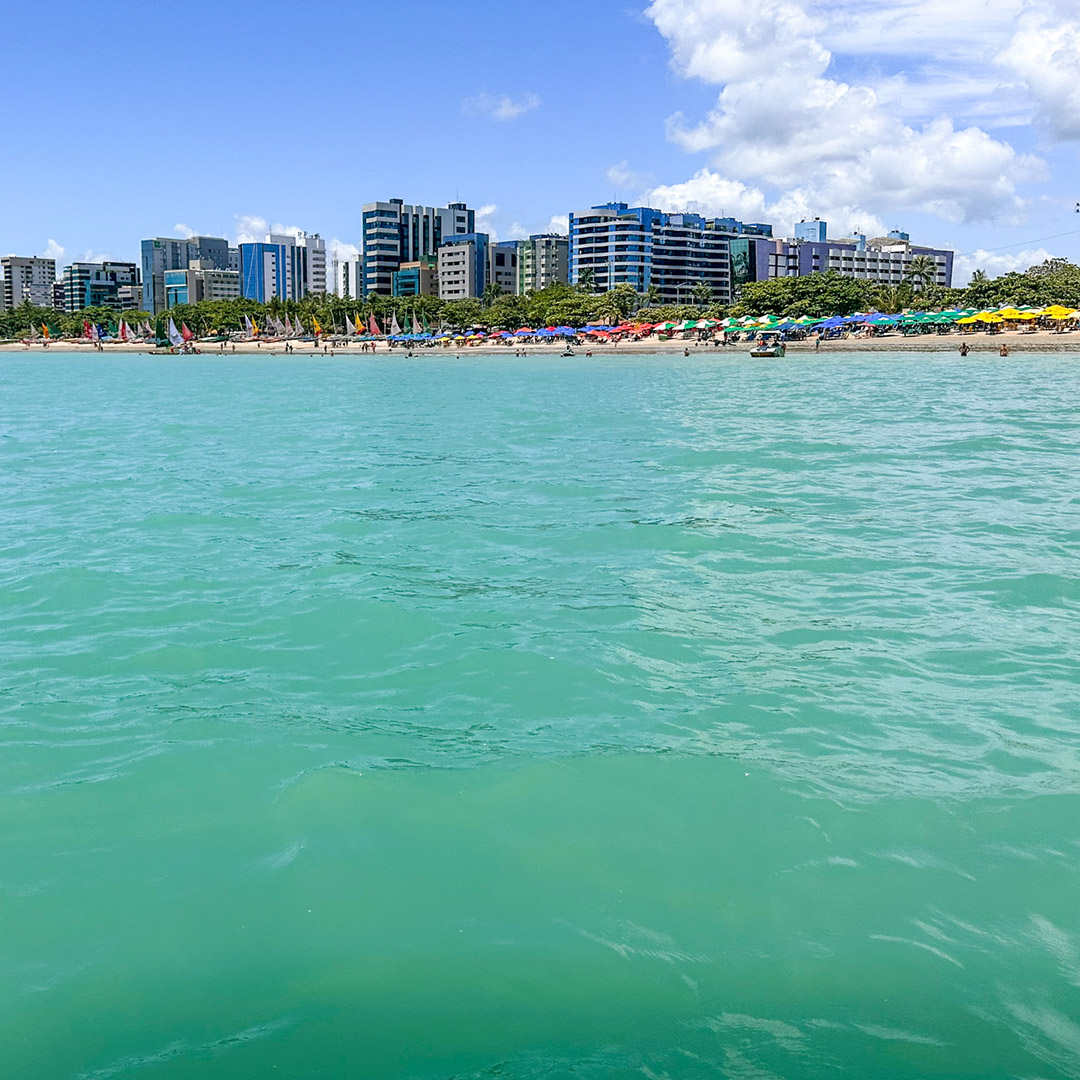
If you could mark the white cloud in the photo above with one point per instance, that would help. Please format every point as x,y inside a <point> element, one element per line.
<point>486,217</point>
<point>1045,54</point>
<point>252,229</point>
<point>559,223</point>
<point>858,149</point>
<point>501,106</point>
<point>185,232</point>
<point>996,265</point>
<point>625,178</point>
<point>709,193</point>
<point>54,251</point>
<point>92,256</point>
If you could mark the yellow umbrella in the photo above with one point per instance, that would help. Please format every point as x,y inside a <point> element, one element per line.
<point>1058,312</point>
<point>1026,315</point>
<point>1009,313</point>
<point>968,321</point>
<point>988,317</point>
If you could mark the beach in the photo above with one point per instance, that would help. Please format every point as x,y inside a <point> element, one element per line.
<point>1039,341</point>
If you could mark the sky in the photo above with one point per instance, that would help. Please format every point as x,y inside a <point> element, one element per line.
<point>955,120</point>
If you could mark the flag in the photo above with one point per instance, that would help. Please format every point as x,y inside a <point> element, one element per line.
<point>174,334</point>
<point>315,323</point>
<point>185,333</point>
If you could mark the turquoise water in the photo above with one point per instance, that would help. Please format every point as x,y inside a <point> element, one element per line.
<point>648,716</point>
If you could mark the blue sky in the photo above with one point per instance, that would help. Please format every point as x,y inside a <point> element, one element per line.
<point>960,123</point>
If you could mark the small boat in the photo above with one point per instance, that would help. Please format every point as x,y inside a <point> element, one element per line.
<point>769,344</point>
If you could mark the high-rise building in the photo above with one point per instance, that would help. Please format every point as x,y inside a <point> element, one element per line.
<point>163,253</point>
<point>312,249</point>
<point>396,232</point>
<point>27,278</point>
<point>883,259</point>
<point>200,281</point>
<point>464,266</point>
<point>288,267</point>
<point>106,284</point>
<point>503,265</point>
<point>543,260</point>
<point>647,248</point>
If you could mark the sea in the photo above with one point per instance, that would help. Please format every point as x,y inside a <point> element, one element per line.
<point>489,718</point>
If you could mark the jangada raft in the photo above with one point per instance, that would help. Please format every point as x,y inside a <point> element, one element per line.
<point>769,344</point>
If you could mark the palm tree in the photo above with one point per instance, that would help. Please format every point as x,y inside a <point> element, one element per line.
<point>492,292</point>
<point>891,299</point>
<point>586,279</point>
<point>652,296</point>
<point>922,270</point>
<point>702,294</point>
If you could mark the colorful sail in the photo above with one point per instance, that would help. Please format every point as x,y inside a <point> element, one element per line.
<point>415,324</point>
<point>185,333</point>
<point>358,324</point>
<point>395,326</point>
<point>45,332</point>
<point>175,337</point>
<point>247,326</point>
<point>373,327</point>
<point>315,323</point>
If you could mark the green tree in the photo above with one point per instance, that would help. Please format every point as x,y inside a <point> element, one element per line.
<point>922,271</point>
<point>702,294</point>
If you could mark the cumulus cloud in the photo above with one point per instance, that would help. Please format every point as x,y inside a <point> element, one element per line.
<point>486,221</point>
<point>625,178</point>
<point>185,232</point>
<point>708,192</point>
<point>54,251</point>
<point>994,265</point>
<point>1045,54</point>
<point>501,106</point>
<point>559,223</point>
<point>252,229</point>
<point>857,149</point>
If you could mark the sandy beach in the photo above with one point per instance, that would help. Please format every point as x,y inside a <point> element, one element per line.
<point>1018,342</point>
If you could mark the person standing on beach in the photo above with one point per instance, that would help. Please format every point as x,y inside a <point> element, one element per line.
<point>964,350</point>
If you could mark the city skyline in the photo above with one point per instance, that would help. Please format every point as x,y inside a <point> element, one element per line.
<point>759,110</point>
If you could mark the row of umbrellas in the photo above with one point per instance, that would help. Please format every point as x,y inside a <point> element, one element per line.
<point>959,316</point>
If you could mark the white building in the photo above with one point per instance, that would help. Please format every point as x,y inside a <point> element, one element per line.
<point>27,278</point>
